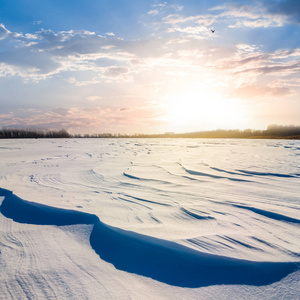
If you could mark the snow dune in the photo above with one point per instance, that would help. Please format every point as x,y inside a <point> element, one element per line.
<point>158,259</point>
<point>149,219</point>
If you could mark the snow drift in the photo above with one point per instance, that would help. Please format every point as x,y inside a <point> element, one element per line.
<point>162,260</point>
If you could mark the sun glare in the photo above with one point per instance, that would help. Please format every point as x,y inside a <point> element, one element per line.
<point>200,107</point>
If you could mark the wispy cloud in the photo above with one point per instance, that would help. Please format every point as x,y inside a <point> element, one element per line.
<point>206,20</point>
<point>287,8</point>
<point>164,8</point>
<point>259,13</point>
<point>153,12</point>
<point>3,32</point>
<point>257,91</point>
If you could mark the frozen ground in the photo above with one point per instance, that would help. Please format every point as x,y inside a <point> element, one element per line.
<point>149,219</point>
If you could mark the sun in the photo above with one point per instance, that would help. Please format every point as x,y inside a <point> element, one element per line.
<point>199,107</point>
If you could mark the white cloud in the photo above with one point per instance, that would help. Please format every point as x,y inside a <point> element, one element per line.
<point>199,19</point>
<point>235,16</point>
<point>247,48</point>
<point>38,22</point>
<point>164,8</point>
<point>3,32</point>
<point>250,15</point>
<point>197,32</point>
<point>268,22</point>
<point>160,4</point>
<point>153,12</point>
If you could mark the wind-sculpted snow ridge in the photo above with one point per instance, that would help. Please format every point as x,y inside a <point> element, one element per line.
<point>197,173</point>
<point>269,214</point>
<point>196,215</point>
<point>253,173</point>
<point>162,260</point>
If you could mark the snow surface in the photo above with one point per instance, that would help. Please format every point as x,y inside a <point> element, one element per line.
<point>149,219</point>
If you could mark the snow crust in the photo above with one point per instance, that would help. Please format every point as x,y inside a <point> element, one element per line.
<point>145,219</point>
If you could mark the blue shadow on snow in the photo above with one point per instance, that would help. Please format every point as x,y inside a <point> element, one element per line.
<point>161,260</point>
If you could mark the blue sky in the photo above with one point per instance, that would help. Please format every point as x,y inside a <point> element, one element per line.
<point>133,66</point>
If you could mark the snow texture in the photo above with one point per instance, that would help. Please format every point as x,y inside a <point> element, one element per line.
<point>111,219</point>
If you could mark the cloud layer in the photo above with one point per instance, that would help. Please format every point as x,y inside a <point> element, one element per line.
<point>82,79</point>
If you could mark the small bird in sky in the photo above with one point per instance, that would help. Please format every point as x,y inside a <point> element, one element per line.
<point>212,30</point>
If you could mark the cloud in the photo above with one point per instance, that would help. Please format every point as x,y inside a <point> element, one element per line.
<point>153,12</point>
<point>28,62</point>
<point>251,62</point>
<point>83,82</point>
<point>232,14</point>
<point>38,22</point>
<point>255,91</point>
<point>263,13</point>
<point>3,32</point>
<point>245,62</point>
<point>265,22</point>
<point>60,111</point>
<point>290,82</point>
<point>104,69</point>
<point>281,70</point>
<point>163,8</point>
<point>247,48</point>
<point>47,53</point>
<point>253,74</point>
<point>206,20</point>
<point>115,71</point>
<point>237,14</point>
<point>83,119</point>
<point>192,31</point>
<point>288,8</point>
<point>160,4</point>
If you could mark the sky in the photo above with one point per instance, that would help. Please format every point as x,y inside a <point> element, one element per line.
<point>144,66</point>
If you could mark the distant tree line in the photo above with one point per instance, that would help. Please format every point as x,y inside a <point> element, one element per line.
<point>272,132</point>
<point>7,133</point>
